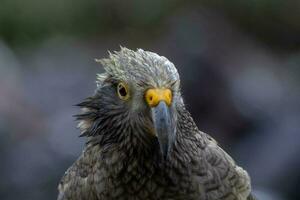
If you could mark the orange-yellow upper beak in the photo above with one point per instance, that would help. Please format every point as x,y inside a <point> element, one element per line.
<point>154,96</point>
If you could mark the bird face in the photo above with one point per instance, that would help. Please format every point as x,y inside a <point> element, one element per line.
<point>139,92</point>
<point>154,106</point>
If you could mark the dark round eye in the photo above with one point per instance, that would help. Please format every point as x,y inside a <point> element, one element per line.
<point>122,91</point>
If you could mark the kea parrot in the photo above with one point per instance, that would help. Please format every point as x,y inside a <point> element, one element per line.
<point>143,144</point>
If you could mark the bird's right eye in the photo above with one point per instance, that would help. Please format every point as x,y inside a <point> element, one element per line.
<point>122,91</point>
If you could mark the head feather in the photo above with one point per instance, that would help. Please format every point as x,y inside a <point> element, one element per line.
<point>138,67</point>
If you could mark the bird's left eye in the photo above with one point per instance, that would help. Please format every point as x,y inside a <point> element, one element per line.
<point>122,91</point>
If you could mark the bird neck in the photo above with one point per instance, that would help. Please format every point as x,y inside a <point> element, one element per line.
<point>133,145</point>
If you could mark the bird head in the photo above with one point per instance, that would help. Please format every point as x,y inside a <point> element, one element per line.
<point>136,96</point>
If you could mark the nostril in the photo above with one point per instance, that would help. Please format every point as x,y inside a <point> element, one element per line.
<point>150,98</point>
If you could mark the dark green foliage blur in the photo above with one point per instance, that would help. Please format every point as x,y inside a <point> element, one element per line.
<point>275,22</point>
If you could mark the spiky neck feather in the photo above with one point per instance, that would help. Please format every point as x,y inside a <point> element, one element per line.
<point>112,127</point>
<point>109,124</point>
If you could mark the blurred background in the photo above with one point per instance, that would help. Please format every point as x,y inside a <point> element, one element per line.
<point>239,63</point>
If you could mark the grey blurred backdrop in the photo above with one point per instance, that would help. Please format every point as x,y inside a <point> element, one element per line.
<point>239,63</point>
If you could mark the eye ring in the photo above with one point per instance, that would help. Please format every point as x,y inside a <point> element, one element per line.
<point>122,91</point>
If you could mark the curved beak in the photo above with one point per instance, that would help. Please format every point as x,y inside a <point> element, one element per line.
<point>162,118</point>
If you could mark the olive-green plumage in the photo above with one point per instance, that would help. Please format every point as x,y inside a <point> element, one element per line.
<point>135,151</point>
